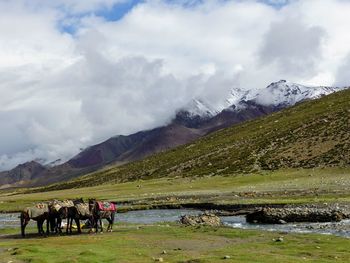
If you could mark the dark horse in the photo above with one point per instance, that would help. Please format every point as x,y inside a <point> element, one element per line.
<point>80,211</point>
<point>38,213</point>
<point>58,211</point>
<point>102,210</point>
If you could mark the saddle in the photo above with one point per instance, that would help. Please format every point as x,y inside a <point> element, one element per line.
<point>106,206</point>
<point>57,205</point>
<point>83,209</point>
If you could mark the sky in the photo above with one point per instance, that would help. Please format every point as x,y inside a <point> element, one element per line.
<point>74,73</point>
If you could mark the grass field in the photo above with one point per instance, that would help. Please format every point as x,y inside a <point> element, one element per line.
<point>284,186</point>
<point>131,243</point>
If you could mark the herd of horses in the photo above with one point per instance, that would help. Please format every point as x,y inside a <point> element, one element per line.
<point>53,212</point>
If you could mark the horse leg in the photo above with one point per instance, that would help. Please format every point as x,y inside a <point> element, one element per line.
<point>47,226</point>
<point>59,225</point>
<point>96,224</point>
<point>41,226</point>
<point>24,222</point>
<point>77,222</point>
<point>67,225</point>
<point>71,226</point>
<point>112,221</point>
<point>109,225</point>
<point>91,224</point>
<point>52,219</point>
<point>38,226</point>
<point>101,226</point>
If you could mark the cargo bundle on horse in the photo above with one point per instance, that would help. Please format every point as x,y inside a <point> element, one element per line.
<point>103,210</point>
<point>39,213</point>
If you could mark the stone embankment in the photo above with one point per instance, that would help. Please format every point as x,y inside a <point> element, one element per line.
<point>298,214</point>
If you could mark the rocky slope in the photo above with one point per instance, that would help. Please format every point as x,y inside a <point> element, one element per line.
<point>21,174</point>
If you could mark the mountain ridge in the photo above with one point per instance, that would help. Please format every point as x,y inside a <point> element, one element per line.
<point>188,125</point>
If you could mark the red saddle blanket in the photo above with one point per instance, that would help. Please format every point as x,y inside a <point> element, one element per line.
<point>106,206</point>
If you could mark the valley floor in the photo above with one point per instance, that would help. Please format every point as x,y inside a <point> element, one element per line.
<point>132,243</point>
<point>174,243</point>
<point>295,186</point>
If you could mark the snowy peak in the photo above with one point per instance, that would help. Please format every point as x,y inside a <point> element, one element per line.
<point>204,108</point>
<point>287,93</point>
<point>235,97</point>
<point>278,94</point>
<point>198,107</point>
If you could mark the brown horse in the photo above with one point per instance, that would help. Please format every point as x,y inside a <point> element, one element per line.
<point>102,210</point>
<point>38,213</point>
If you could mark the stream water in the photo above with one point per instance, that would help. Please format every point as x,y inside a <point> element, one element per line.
<point>172,215</point>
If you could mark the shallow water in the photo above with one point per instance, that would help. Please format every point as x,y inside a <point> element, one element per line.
<point>9,220</point>
<point>331,228</point>
<point>172,215</point>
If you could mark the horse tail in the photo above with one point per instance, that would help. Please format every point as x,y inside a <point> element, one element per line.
<point>22,224</point>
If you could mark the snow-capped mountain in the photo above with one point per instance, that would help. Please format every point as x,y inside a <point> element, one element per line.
<point>279,94</point>
<point>287,93</point>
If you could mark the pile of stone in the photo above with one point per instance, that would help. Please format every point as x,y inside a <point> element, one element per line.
<point>205,219</point>
<point>297,214</point>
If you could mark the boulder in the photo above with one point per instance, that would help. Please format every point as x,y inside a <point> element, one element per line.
<point>205,219</point>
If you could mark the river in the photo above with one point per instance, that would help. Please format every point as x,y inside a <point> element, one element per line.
<point>172,215</point>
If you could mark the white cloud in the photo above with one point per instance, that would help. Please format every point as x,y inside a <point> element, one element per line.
<point>61,92</point>
<point>293,46</point>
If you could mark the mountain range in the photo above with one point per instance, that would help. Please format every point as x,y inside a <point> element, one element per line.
<point>305,138</point>
<point>197,119</point>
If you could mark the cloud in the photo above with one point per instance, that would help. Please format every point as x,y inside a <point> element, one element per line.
<point>342,76</point>
<point>293,46</point>
<point>61,92</point>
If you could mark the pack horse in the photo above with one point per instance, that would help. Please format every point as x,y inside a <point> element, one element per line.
<point>103,210</point>
<point>39,213</point>
<point>55,211</point>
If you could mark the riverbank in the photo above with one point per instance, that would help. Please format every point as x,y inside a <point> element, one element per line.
<point>174,243</point>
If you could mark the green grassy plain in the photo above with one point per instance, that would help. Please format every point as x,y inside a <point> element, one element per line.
<point>283,186</point>
<point>131,243</point>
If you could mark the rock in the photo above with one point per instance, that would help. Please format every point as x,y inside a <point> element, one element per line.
<point>164,252</point>
<point>205,219</point>
<point>227,257</point>
<point>158,259</point>
<point>280,239</point>
<point>282,222</point>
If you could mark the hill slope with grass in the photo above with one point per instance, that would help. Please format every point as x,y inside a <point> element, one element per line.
<point>311,134</point>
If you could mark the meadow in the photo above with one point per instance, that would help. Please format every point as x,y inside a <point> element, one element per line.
<point>174,243</point>
<point>283,186</point>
